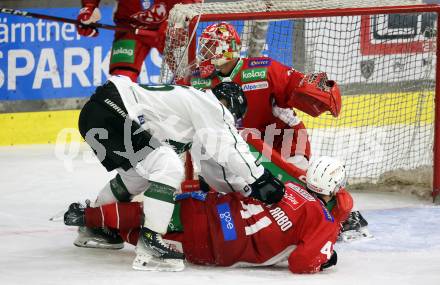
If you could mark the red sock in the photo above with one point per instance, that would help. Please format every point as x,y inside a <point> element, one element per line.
<point>122,216</point>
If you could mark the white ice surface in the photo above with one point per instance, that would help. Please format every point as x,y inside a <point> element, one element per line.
<point>35,185</point>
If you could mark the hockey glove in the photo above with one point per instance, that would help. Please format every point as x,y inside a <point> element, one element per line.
<point>151,18</point>
<point>89,14</point>
<point>344,204</point>
<point>331,262</point>
<point>267,188</point>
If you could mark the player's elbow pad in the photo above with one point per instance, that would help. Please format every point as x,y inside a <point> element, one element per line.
<point>267,188</point>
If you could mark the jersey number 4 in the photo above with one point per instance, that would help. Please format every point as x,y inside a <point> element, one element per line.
<point>327,249</point>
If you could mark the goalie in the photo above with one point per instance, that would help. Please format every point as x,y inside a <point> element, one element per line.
<point>271,88</point>
<point>232,230</point>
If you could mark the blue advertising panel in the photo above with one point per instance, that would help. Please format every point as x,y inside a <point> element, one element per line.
<point>46,60</point>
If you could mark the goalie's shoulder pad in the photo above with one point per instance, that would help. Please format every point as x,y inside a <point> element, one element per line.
<point>316,94</point>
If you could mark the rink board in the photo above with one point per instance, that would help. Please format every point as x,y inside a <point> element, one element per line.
<point>358,111</point>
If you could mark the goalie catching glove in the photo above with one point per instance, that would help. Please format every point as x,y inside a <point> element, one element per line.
<point>316,95</point>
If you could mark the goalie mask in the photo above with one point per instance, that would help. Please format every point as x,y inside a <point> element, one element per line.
<point>232,96</point>
<point>326,175</point>
<point>218,44</point>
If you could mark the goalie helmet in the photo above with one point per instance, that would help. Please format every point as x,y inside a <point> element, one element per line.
<point>218,44</point>
<point>232,94</point>
<point>326,175</point>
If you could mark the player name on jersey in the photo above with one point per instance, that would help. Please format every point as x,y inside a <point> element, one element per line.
<point>281,218</point>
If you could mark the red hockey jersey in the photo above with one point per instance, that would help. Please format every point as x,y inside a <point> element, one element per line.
<point>231,230</point>
<point>237,231</point>
<point>263,80</point>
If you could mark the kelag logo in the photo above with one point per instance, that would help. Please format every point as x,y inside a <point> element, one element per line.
<point>46,60</point>
<point>254,74</point>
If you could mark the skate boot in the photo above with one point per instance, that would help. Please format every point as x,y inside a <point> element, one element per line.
<point>104,238</point>
<point>354,228</point>
<point>154,254</point>
<point>91,237</point>
<point>75,215</point>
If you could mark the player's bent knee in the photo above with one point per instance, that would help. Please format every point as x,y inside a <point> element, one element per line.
<point>133,181</point>
<point>114,191</point>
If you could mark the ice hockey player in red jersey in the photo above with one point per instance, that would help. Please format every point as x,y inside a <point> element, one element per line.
<point>232,230</point>
<point>271,90</point>
<point>130,50</point>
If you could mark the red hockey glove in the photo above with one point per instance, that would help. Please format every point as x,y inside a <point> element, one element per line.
<point>89,14</point>
<point>316,94</point>
<point>344,204</point>
<point>151,18</point>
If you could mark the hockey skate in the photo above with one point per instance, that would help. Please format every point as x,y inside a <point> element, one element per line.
<point>75,215</point>
<point>154,254</point>
<point>354,228</point>
<point>104,238</point>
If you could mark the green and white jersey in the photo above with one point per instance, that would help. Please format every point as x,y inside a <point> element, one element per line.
<point>180,115</point>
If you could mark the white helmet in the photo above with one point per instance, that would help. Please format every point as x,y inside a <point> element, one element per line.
<point>326,175</point>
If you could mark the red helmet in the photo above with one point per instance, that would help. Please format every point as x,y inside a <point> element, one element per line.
<point>219,43</point>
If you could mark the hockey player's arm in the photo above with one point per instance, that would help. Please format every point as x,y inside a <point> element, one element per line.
<point>314,251</point>
<point>220,141</point>
<point>343,207</point>
<point>282,80</point>
<point>305,258</point>
<point>88,14</point>
<point>215,131</point>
